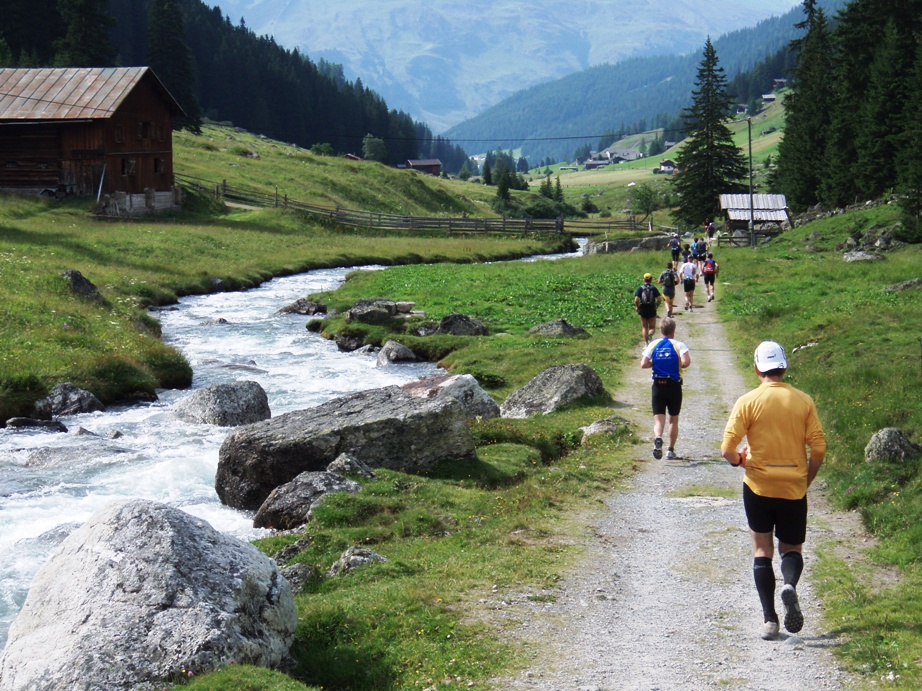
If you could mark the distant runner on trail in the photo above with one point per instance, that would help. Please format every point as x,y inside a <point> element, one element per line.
<point>675,246</point>
<point>709,270</point>
<point>668,280</point>
<point>779,422</point>
<point>689,275</point>
<point>647,299</point>
<point>667,358</point>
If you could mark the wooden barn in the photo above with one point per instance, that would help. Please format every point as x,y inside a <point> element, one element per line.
<point>432,166</point>
<point>767,210</point>
<point>86,131</point>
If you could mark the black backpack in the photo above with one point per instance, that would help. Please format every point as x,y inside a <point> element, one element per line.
<point>647,294</point>
<point>669,279</point>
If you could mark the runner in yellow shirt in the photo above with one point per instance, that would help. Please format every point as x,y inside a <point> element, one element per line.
<point>779,422</point>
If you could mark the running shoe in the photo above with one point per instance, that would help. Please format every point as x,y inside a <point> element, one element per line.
<point>670,455</point>
<point>770,630</point>
<point>658,448</point>
<point>793,617</point>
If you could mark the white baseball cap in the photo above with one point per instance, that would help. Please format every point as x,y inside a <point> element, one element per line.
<point>770,356</point>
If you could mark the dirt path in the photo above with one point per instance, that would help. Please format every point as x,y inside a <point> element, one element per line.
<point>664,598</point>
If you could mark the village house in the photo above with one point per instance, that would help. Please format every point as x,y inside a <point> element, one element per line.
<point>667,166</point>
<point>88,132</point>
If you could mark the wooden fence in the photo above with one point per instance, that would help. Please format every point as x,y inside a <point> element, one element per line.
<point>374,219</point>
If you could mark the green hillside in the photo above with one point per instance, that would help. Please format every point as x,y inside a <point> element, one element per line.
<point>553,119</point>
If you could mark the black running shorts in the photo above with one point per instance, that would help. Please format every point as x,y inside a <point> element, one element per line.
<point>689,285</point>
<point>787,518</point>
<point>667,397</point>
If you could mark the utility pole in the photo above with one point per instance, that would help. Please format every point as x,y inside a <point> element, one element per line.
<point>752,234</point>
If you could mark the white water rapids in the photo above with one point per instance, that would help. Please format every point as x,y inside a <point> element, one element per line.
<point>50,483</point>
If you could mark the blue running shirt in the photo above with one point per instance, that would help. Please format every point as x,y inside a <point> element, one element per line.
<point>665,359</point>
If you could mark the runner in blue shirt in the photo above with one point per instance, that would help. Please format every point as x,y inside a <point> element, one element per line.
<point>667,358</point>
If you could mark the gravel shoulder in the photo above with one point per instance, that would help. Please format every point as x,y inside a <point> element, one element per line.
<point>663,597</point>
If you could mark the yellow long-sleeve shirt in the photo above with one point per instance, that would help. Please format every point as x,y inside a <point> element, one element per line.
<point>779,422</point>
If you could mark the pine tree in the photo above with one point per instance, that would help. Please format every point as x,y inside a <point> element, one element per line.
<point>909,160</point>
<point>802,152</point>
<point>86,39</point>
<point>558,191</point>
<point>487,173</point>
<point>879,138</point>
<point>710,163</point>
<point>171,60</point>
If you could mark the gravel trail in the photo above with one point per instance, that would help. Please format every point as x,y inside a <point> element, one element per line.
<point>663,597</point>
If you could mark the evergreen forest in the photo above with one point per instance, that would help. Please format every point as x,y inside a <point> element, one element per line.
<point>854,118</point>
<point>218,69</point>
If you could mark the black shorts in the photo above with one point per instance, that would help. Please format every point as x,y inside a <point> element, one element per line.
<point>675,255</point>
<point>646,311</point>
<point>669,292</point>
<point>667,397</point>
<point>787,518</point>
<point>708,279</point>
<point>689,285</point>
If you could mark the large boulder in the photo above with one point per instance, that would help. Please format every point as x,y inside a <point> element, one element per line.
<point>393,352</point>
<point>303,306</point>
<point>384,428</point>
<point>462,387</point>
<point>554,388</point>
<point>461,325</point>
<point>289,505</point>
<point>372,311</point>
<point>31,422</point>
<point>347,464</point>
<point>558,327</point>
<point>141,592</point>
<point>67,399</point>
<point>889,445</point>
<point>352,559</point>
<point>81,286</point>
<point>226,405</point>
<point>650,242</point>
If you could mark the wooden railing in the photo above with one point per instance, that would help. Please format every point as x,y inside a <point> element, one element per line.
<point>372,219</point>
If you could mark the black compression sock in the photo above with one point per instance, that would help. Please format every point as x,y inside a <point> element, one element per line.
<point>792,565</point>
<point>764,576</point>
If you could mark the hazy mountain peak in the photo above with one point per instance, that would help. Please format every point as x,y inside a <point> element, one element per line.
<point>444,62</point>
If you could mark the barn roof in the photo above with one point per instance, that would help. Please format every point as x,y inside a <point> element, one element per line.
<point>765,207</point>
<point>71,93</point>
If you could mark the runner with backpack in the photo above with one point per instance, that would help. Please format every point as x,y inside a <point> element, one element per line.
<point>668,280</point>
<point>647,299</point>
<point>709,270</point>
<point>675,246</point>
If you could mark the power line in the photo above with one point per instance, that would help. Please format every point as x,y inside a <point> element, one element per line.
<point>391,138</point>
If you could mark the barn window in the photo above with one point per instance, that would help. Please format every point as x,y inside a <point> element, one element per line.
<point>144,130</point>
<point>119,134</point>
<point>160,165</point>
<point>159,130</point>
<point>128,166</point>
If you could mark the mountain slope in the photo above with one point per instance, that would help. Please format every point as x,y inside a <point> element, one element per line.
<point>552,119</point>
<point>444,62</point>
